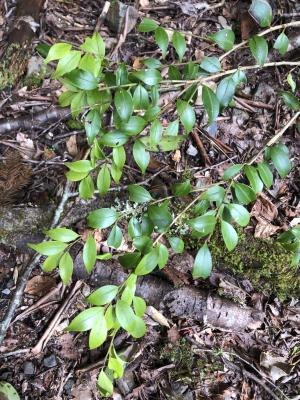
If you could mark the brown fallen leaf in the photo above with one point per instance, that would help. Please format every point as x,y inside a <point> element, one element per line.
<point>71,144</point>
<point>39,285</point>
<point>264,229</point>
<point>264,209</point>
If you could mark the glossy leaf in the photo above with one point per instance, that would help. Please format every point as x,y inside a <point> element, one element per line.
<point>115,237</point>
<point>58,51</point>
<point>49,248</point>
<point>204,224</point>
<point>85,320</point>
<point>225,91</point>
<point>176,243</point>
<point>290,100</point>
<point>203,263</point>
<point>103,180</point>
<point>140,98</point>
<point>102,218</point>
<point>211,104</point>
<point>83,79</point>
<point>261,11</point>
<point>232,171</point>
<point>163,255</point>
<point>239,213</point>
<point>211,64</point>
<point>86,188</point>
<point>124,104</point>
<point>186,114</point>
<point>253,178</point>
<point>141,156</point>
<point>224,39</point>
<point>62,234</point>
<point>148,263</point>
<point>230,235</point>
<point>103,295</point>
<point>162,40</point>
<point>147,25</point>
<point>244,193</point>
<point>281,161</point>
<point>66,268</point>
<point>160,215</point>
<point>139,194</point>
<point>98,333</point>
<point>259,48</point>
<point>129,321</point>
<point>150,77</point>
<point>89,253</point>
<point>105,384</point>
<point>179,44</point>
<point>281,44</point>
<point>265,174</point>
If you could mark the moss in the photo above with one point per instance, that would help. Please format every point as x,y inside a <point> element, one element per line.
<point>10,66</point>
<point>74,124</point>
<point>33,81</point>
<point>263,261</point>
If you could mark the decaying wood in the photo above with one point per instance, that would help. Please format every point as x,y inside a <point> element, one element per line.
<point>14,60</point>
<point>186,302</point>
<point>28,123</point>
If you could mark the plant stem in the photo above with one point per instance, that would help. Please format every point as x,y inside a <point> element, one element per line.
<point>266,32</point>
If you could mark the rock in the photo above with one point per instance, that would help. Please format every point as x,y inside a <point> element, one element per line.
<point>68,386</point>
<point>50,361</point>
<point>28,368</point>
<point>22,225</point>
<point>116,15</point>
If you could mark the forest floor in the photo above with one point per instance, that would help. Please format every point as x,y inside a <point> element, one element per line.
<point>179,358</point>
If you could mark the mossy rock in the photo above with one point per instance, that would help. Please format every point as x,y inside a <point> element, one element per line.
<point>263,261</point>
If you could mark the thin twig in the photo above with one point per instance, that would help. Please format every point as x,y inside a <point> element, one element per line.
<point>18,295</point>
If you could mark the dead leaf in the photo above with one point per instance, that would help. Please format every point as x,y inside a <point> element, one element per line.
<point>39,285</point>
<point>173,334</point>
<point>27,145</point>
<point>264,208</point>
<point>144,3</point>
<point>176,157</point>
<point>157,316</point>
<point>264,229</point>
<point>71,144</point>
<point>137,63</point>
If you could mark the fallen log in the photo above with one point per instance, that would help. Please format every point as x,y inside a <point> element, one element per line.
<point>33,121</point>
<point>186,302</point>
<point>14,60</point>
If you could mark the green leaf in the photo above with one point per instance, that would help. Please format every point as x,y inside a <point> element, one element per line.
<point>182,189</point>
<point>150,77</point>
<point>204,224</point>
<point>115,172</point>
<point>225,91</point>
<point>78,103</point>
<point>114,139</point>
<point>290,100</point>
<point>281,161</point>
<point>85,320</point>
<point>129,321</point>
<point>75,176</point>
<point>162,40</point>
<point>244,193</point>
<point>119,156</point>
<point>147,25</point>
<point>62,234</point>
<point>80,166</point>
<point>179,44</point>
<point>83,79</point>
<point>140,98</point>
<point>116,364</point>
<point>211,64</point>
<point>141,156</point>
<point>147,263</point>
<point>229,235</point>
<point>139,306</point>
<point>160,215</point>
<point>177,244</point>
<point>265,173</point>
<point>224,39</point>
<point>130,260</point>
<point>282,43</point>
<point>43,49</point>
<point>86,188</point>
<point>211,104</point>
<point>253,178</point>
<point>215,193</point>
<point>49,248</point>
<point>139,194</point>
<point>51,262</point>
<point>163,255</point>
<point>103,180</point>
<point>239,77</point>
<point>167,143</point>
<point>67,64</point>
<point>105,384</point>
<point>89,253</point>
<point>172,129</point>
<point>259,48</point>
<point>186,114</point>
<point>58,51</point>
<point>95,45</point>
<point>115,237</point>
<point>151,62</point>
<point>124,104</point>
<point>8,392</point>
<point>134,125</point>
<point>98,333</point>
<point>239,213</point>
<point>291,82</point>
<point>143,244</point>
<point>103,295</point>
<point>89,63</point>
<point>92,125</point>
<point>66,98</point>
<point>174,73</point>
<point>203,263</point>
<point>66,268</point>
<point>156,130</point>
<point>232,171</point>
<point>106,256</point>
<point>102,218</point>
<point>261,11</point>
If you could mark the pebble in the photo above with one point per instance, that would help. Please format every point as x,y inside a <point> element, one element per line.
<point>28,368</point>
<point>6,291</point>
<point>50,361</point>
